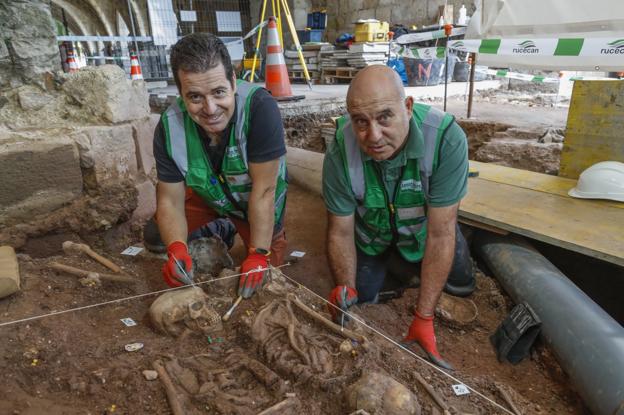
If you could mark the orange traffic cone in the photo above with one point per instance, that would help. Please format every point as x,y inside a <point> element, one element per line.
<point>71,62</point>
<point>135,68</point>
<point>276,73</point>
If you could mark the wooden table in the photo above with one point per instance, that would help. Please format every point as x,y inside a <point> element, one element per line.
<point>538,206</point>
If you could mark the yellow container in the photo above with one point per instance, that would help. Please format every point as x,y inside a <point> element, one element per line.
<point>371,31</point>
<point>248,63</point>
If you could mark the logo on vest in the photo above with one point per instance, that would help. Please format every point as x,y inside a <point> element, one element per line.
<point>232,152</point>
<point>411,184</point>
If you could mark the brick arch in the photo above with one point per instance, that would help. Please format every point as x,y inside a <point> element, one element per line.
<point>76,20</point>
<point>85,16</point>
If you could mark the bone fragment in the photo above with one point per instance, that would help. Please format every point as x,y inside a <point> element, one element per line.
<point>177,407</point>
<point>279,408</point>
<point>327,323</point>
<point>507,398</point>
<point>435,395</point>
<point>84,273</point>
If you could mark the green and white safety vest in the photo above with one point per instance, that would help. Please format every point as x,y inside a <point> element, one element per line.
<point>227,193</point>
<point>382,219</point>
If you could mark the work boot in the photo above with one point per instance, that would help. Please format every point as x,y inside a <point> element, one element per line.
<point>461,281</point>
<point>221,227</point>
<point>151,238</point>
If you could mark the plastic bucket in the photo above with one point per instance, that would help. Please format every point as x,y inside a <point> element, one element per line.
<point>462,73</point>
<point>428,72</point>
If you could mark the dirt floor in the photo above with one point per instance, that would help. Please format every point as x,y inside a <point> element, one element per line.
<point>75,363</point>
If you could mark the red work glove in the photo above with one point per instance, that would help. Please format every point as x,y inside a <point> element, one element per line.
<point>249,280</point>
<point>342,297</point>
<point>421,332</point>
<point>179,259</point>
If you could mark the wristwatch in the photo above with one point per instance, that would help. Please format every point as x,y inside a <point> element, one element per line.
<point>260,251</point>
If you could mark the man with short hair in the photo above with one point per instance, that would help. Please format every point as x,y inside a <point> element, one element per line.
<point>220,153</point>
<point>392,183</point>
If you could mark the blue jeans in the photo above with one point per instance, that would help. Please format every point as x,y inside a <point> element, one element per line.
<point>391,272</point>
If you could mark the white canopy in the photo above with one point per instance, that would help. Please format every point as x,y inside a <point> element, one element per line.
<point>533,20</point>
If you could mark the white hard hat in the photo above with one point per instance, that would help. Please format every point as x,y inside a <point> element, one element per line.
<point>604,180</point>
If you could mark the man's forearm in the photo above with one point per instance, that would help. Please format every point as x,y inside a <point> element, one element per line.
<point>170,215</point>
<point>261,213</point>
<point>436,265</point>
<point>342,257</point>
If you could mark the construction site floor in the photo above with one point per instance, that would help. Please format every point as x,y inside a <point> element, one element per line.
<point>76,363</point>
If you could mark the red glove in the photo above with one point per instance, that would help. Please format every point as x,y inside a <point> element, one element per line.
<point>342,297</point>
<point>179,263</point>
<point>421,332</point>
<point>249,280</point>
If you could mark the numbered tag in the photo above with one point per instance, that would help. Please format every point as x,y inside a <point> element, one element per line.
<point>132,250</point>
<point>297,254</point>
<point>128,322</point>
<point>460,389</point>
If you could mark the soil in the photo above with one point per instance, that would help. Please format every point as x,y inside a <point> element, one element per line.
<point>75,363</point>
<point>498,132</point>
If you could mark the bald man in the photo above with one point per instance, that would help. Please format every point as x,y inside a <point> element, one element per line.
<point>392,183</point>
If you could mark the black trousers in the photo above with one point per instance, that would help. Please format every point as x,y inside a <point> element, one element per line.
<point>390,271</point>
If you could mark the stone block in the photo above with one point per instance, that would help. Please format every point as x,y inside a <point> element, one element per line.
<point>143,132</point>
<point>109,151</point>
<point>355,5</point>
<point>104,94</point>
<point>383,14</point>
<point>364,14</point>
<point>28,31</point>
<point>401,14</point>
<point>146,201</point>
<point>9,272</point>
<point>39,174</point>
<point>32,99</point>
<point>370,4</point>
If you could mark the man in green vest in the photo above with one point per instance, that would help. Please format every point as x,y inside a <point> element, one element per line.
<point>392,183</point>
<point>220,153</point>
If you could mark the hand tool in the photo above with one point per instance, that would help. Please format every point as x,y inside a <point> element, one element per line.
<point>344,299</point>
<point>73,247</point>
<point>228,313</point>
<point>185,278</point>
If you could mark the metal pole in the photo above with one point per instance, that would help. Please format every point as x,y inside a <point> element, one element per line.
<point>192,23</point>
<point>473,58</point>
<point>257,51</point>
<point>447,32</point>
<point>136,45</point>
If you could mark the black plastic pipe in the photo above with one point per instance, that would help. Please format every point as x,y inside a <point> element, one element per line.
<point>588,342</point>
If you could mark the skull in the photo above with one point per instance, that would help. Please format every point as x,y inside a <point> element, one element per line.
<point>186,309</point>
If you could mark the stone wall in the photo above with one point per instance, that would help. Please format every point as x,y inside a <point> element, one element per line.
<point>75,149</point>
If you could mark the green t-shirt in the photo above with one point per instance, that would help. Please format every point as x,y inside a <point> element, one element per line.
<point>448,183</point>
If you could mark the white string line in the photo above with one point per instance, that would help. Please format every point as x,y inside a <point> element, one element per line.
<point>400,345</point>
<point>134,297</point>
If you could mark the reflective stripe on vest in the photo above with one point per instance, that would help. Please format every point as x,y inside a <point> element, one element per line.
<point>373,231</point>
<point>182,135</point>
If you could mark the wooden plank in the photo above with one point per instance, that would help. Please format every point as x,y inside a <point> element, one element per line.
<point>483,226</point>
<point>531,180</point>
<point>594,128</point>
<point>583,226</point>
